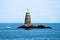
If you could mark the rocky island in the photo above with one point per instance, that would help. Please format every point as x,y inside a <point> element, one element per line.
<point>28,24</point>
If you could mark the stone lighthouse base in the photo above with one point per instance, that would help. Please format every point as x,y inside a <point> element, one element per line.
<point>27,27</point>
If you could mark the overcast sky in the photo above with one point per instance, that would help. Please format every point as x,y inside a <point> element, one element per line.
<point>42,11</point>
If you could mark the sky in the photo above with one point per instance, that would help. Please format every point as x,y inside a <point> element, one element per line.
<point>41,11</point>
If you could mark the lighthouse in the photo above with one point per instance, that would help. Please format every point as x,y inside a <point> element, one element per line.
<point>28,24</point>
<point>27,19</point>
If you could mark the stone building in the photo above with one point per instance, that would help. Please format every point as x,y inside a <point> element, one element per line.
<point>27,19</point>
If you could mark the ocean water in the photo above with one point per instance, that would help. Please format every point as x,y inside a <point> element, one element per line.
<point>34,34</point>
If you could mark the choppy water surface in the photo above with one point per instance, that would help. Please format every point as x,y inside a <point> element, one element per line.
<point>33,34</point>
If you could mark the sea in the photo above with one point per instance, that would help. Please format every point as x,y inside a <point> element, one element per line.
<point>13,33</point>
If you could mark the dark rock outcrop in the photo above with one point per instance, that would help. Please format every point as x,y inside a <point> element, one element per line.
<point>29,27</point>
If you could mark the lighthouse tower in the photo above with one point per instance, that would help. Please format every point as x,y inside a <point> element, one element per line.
<point>27,19</point>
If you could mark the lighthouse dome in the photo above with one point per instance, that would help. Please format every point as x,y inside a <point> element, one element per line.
<point>27,11</point>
